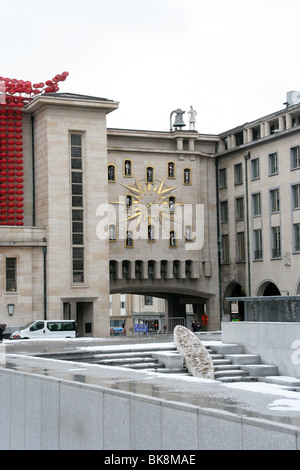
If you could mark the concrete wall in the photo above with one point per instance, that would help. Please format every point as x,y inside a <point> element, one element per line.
<point>276,343</point>
<point>47,413</point>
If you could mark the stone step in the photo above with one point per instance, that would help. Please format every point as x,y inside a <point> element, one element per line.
<point>125,360</point>
<point>230,373</point>
<point>144,365</point>
<point>228,349</point>
<point>260,370</point>
<point>225,367</point>
<point>282,380</point>
<point>240,359</point>
<point>217,362</point>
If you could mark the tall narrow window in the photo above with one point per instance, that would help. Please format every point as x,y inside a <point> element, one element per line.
<point>239,208</point>
<point>275,201</point>
<point>297,237</point>
<point>238,174</point>
<point>111,173</point>
<point>255,173</point>
<point>225,249</point>
<point>241,246</point>
<point>171,170</point>
<point>11,274</point>
<point>256,200</point>
<point>273,164</point>
<point>187,176</point>
<point>295,157</point>
<point>150,174</point>
<point>257,244</point>
<point>276,242</point>
<point>296,196</point>
<point>127,168</point>
<point>77,208</point>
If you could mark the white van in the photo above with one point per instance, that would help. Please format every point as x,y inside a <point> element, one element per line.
<point>46,329</point>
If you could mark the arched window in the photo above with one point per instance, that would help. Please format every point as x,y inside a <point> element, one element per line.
<point>128,201</point>
<point>171,170</point>
<point>129,239</point>
<point>127,168</point>
<point>111,173</point>
<point>150,174</point>
<point>187,176</point>
<point>172,203</point>
<point>112,233</point>
<point>173,241</point>
<point>151,233</point>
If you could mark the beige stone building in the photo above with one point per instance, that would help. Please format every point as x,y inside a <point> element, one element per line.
<point>149,227</point>
<point>259,184</point>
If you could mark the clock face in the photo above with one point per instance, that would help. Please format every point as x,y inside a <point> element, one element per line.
<point>149,200</point>
<point>150,197</point>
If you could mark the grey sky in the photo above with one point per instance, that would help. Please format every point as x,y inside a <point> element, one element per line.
<point>232,60</point>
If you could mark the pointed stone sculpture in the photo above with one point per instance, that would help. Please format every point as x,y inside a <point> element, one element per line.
<point>196,357</point>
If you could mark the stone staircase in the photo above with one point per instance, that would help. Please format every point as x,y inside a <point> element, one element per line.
<point>230,362</point>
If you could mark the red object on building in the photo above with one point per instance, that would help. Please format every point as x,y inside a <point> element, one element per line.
<point>18,93</point>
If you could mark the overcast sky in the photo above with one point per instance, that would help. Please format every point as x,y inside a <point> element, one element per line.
<point>232,60</point>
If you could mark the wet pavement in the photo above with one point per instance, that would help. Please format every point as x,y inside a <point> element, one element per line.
<point>261,400</point>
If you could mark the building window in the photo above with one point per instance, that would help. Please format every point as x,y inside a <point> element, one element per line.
<point>238,174</point>
<point>173,240</point>
<point>187,176</point>
<point>77,227</point>
<point>257,244</point>
<point>222,178</point>
<point>276,242</point>
<point>273,164</point>
<point>77,189</point>
<point>171,170</point>
<point>295,157</point>
<point>255,174</point>
<point>76,151</point>
<point>129,239</point>
<point>11,274</point>
<point>128,202</point>
<point>275,202</point>
<point>78,265</point>
<point>111,173</point>
<point>241,246</point>
<point>297,237</point>
<point>188,233</point>
<point>150,174</point>
<point>224,211</point>
<point>239,208</point>
<point>296,196</point>
<point>148,300</point>
<point>77,208</point>
<point>172,203</point>
<point>112,233</point>
<point>151,233</point>
<point>127,168</point>
<point>225,249</point>
<point>256,200</point>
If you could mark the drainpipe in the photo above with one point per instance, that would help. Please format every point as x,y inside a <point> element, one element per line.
<point>247,157</point>
<point>219,240</point>
<point>45,278</point>
<point>33,171</point>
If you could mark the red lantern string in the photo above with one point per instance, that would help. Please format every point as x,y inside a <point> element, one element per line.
<point>18,93</point>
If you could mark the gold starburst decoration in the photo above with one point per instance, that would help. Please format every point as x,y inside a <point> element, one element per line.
<point>144,198</point>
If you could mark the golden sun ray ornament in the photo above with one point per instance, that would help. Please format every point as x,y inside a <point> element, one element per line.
<point>149,201</point>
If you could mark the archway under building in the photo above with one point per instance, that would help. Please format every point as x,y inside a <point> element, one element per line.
<point>268,288</point>
<point>234,310</point>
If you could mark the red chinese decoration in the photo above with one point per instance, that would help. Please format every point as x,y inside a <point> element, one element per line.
<point>15,95</point>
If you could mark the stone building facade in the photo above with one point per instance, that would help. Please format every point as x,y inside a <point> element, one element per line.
<point>112,211</point>
<point>259,176</point>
